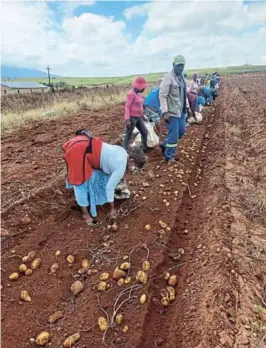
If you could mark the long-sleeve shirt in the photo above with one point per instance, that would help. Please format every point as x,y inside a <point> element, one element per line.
<point>114,163</point>
<point>193,87</point>
<point>173,94</point>
<point>206,93</point>
<point>152,100</point>
<point>134,105</point>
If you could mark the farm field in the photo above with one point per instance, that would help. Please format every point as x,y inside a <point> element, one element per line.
<point>87,81</point>
<point>215,242</point>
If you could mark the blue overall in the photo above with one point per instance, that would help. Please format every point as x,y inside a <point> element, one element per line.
<point>176,129</point>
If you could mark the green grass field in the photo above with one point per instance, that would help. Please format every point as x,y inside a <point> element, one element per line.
<point>90,81</point>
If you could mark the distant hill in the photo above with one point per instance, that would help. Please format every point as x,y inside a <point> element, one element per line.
<point>17,72</point>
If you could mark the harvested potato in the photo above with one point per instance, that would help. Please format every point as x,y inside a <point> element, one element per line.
<point>168,229</point>
<point>166,275</point>
<point>172,281</point>
<point>119,319</point>
<point>70,259</point>
<point>24,295</point>
<point>32,254</point>
<point>82,271</point>
<point>57,253</point>
<point>42,338</point>
<point>55,316</point>
<point>77,287</point>
<point>26,258</point>
<point>162,224</point>
<point>71,340</point>
<point>36,263</point>
<point>14,276</point>
<point>125,266</point>
<point>92,271</point>
<point>148,227</point>
<point>165,301</point>
<point>118,273</point>
<point>143,299</point>
<point>28,272</point>
<point>85,263</point>
<point>125,329</point>
<point>127,280</point>
<point>121,281</point>
<point>142,277</point>
<point>146,265</point>
<point>104,276</point>
<point>54,268</point>
<point>114,227</point>
<point>171,292</point>
<point>102,286</point>
<point>22,268</point>
<point>103,324</point>
<point>126,257</point>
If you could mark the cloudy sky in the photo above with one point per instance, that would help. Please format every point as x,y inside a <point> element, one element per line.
<point>114,38</point>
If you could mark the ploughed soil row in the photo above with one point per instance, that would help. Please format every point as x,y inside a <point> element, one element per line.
<point>215,244</point>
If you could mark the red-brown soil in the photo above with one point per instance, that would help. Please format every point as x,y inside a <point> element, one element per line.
<point>217,218</point>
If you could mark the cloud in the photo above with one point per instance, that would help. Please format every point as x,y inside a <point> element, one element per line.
<point>209,34</point>
<point>137,10</point>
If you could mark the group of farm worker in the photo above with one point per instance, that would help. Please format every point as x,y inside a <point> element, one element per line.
<point>95,169</point>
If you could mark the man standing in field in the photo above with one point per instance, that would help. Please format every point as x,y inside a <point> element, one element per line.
<point>173,100</point>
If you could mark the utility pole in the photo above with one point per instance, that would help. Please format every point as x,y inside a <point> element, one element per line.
<point>49,77</point>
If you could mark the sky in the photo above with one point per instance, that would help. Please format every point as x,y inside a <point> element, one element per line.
<point>118,38</point>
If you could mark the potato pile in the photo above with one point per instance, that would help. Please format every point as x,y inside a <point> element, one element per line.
<point>24,269</point>
<point>168,294</point>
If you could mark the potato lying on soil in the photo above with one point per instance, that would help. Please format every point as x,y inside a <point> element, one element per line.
<point>165,301</point>
<point>82,271</point>
<point>85,263</point>
<point>171,292</point>
<point>102,286</point>
<point>172,281</point>
<point>54,268</point>
<point>121,281</point>
<point>118,273</point>
<point>77,287</point>
<point>103,324</point>
<point>125,329</point>
<point>119,319</point>
<point>42,338</point>
<point>24,295</point>
<point>71,340</point>
<point>22,268</point>
<point>55,316</point>
<point>148,227</point>
<point>26,258</point>
<point>166,275</point>
<point>114,227</point>
<point>57,253</point>
<point>14,276</point>
<point>28,272</point>
<point>70,259</point>
<point>142,277</point>
<point>162,224</point>
<point>32,254</point>
<point>143,299</point>
<point>127,280</point>
<point>125,266</point>
<point>104,276</point>
<point>146,266</point>
<point>36,263</point>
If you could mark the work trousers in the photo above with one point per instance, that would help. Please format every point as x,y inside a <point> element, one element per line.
<point>139,124</point>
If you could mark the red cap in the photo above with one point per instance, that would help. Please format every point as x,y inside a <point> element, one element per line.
<point>140,83</point>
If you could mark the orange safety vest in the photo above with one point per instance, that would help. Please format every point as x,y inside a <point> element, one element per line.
<point>82,155</point>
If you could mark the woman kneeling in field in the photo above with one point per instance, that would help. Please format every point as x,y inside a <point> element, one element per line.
<point>95,168</point>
